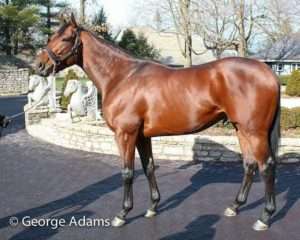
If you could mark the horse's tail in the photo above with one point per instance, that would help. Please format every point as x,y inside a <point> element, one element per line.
<point>275,134</point>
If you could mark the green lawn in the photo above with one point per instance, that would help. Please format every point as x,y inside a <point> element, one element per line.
<point>60,80</point>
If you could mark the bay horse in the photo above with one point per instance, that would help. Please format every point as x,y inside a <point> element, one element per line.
<point>143,99</point>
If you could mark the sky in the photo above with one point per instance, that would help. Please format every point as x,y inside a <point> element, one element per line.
<point>119,12</point>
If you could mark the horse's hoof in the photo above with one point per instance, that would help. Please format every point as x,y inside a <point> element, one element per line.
<point>117,222</point>
<point>229,212</point>
<point>260,226</point>
<point>150,213</point>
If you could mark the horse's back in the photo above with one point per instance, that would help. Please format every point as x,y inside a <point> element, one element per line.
<point>188,99</point>
<point>177,101</point>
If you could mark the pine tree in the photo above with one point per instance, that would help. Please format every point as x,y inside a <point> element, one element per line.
<point>16,21</point>
<point>49,11</point>
<point>138,45</point>
<point>100,25</point>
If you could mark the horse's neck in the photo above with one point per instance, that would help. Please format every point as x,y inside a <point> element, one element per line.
<point>104,64</point>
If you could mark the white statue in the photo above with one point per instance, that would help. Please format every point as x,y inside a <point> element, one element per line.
<point>39,87</point>
<point>52,94</point>
<point>78,103</point>
<point>92,101</point>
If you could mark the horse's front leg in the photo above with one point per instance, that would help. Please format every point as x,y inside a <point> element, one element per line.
<point>126,143</point>
<point>144,147</point>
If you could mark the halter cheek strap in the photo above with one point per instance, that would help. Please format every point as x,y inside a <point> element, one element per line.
<point>57,60</point>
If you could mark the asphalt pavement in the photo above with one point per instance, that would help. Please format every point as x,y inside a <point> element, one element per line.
<point>42,182</point>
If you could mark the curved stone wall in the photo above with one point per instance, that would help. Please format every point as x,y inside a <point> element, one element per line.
<point>98,138</point>
<point>14,82</point>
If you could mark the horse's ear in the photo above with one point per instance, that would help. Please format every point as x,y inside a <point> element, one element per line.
<point>73,21</point>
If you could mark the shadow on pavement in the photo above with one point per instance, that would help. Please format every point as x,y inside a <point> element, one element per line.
<point>201,228</point>
<point>288,182</point>
<point>72,204</point>
<point>46,232</point>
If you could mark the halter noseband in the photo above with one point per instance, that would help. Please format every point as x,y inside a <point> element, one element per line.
<point>74,51</point>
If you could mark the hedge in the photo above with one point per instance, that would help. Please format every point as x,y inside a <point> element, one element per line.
<point>293,84</point>
<point>290,119</point>
<point>284,79</point>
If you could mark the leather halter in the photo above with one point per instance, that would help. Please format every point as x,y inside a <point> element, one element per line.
<point>57,60</point>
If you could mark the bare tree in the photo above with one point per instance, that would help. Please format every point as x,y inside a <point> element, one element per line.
<point>224,25</point>
<point>244,23</point>
<point>180,11</point>
<point>82,11</point>
<point>280,19</point>
<point>175,16</point>
<point>213,21</point>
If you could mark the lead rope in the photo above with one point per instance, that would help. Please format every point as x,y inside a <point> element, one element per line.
<point>10,118</point>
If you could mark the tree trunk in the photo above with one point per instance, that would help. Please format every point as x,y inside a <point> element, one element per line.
<point>184,9</point>
<point>218,53</point>
<point>82,11</point>
<point>16,46</point>
<point>242,48</point>
<point>7,39</point>
<point>188,50</point>
<point>48,23</point>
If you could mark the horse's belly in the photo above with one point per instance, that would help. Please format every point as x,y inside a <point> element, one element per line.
<point>178,123</point>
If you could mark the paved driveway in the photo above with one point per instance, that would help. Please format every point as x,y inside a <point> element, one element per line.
<point>42,181</point>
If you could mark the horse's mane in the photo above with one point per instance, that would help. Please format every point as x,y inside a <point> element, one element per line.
<point>111,45</point>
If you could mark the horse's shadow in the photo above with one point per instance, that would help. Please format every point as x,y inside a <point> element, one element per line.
<point>65,208</point>
<point>288,181</point>
<point>201,228</point>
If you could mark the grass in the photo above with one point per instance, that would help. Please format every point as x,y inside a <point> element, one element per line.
<point>60,80</point>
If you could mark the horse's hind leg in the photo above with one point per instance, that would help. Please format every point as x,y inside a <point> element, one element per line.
<point>268,171</point>
<point>259,143</point>
<point>260,152</point>
<point>250,167</point>
<point>145,151</point>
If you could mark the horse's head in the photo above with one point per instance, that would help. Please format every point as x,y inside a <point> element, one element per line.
<point>63,49</point>
<point>34,81</point>
<point>71,87</point>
